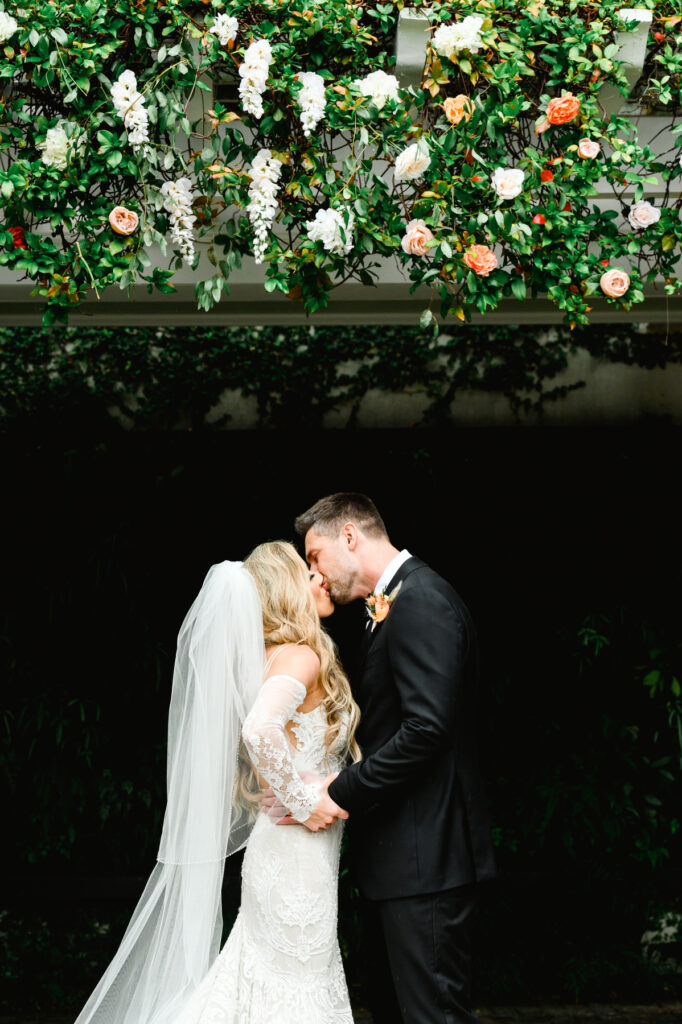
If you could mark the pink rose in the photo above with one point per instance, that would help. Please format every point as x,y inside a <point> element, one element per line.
<point>643,214</point>
<point>415,238</point>
<point>123,221</point>
<point>614,283</point>
<point>542,126</point>
<point>588,149</point>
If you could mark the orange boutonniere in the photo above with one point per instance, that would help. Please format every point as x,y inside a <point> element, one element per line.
<point>379,605</point>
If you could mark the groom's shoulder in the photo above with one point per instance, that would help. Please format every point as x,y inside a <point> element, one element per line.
<point>421,576</point>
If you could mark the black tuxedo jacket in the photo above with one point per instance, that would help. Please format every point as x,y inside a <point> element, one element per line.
<point>418,816</point>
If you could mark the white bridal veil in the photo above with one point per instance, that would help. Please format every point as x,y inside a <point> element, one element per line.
<point>174,933</point>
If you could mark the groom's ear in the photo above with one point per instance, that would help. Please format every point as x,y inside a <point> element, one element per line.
<point>349,536</point>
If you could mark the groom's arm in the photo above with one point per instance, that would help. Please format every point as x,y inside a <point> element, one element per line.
<point>427,646</point>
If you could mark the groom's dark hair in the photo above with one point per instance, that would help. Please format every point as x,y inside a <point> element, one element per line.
<point>329,514</point>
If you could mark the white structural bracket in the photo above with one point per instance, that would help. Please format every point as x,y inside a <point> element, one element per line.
<point>632,51</point>
<point>410,46</point>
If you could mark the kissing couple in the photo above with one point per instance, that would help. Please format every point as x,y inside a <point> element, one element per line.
<point>269,750</point>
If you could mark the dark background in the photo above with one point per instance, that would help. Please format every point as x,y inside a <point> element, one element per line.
<point>544,532</point>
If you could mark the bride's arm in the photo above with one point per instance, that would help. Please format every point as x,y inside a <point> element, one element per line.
<point>265,735</point>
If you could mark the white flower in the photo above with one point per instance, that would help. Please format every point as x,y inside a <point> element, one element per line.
<point>311,100</point>
<point>265,171</point>
<point>55,147</point>
<point>410,164</point>
<point>129,105</point>
<point>507,182</point>
<point>254,76</point>
<point>177,201</point>
<point>588,149</point>
<point>225,28</point>
<point>8,26</point>
<point>448,40</point>
<point>327,228</point>
<point>642,214</point>
<point>379,87</point>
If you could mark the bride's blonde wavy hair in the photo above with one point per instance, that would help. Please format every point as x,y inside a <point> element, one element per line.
<point>290,617</point>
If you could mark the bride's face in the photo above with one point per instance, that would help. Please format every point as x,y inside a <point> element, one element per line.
<point>323,602</point>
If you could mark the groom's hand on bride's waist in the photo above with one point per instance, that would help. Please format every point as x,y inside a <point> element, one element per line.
<point>326,811</point>
<point>325,814</point>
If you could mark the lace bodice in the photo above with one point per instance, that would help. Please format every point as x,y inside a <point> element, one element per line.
<point>274,756</point>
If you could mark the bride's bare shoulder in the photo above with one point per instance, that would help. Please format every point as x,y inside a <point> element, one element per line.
<point>299,661</point>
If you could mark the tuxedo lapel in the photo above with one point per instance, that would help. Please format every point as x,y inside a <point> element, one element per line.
<point>401,574</point>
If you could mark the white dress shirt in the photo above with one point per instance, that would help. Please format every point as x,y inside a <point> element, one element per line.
<point>390,570</point>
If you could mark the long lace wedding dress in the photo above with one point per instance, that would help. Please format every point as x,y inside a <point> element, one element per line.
<point>281,963</point>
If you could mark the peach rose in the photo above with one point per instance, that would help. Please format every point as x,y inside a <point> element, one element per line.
<point>458,107</point>
<point>480,259</point>
<point>588,149</point>
<point>382,607</point>
<point>542,126</point>
<point>614,283</point>
<point>563,108</point>
<point>123,221</point>
<point>415,238</point>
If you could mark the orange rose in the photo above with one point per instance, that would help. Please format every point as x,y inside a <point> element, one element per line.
<point>563,108</point>
<point>458,107</point>
<point>480,259</point>
<point>382,607</point>
<point>123,221</point>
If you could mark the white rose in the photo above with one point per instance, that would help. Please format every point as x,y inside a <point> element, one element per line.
<point>55,147</point>
<point>225,28</point>
<point>448,40</point>
<point>379,87</point>
<point>643,214</point>
<point>508,182</point>
<point>8,26</point>
<point>410,164</point>
<point>588,149</point>
<point>327,228</point>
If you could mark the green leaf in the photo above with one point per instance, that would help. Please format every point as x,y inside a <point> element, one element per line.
<point>59,36</point>
<point>518,287</point>
<point>114,157</point>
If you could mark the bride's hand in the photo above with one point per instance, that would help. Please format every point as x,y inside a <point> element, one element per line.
<point>326,812</point>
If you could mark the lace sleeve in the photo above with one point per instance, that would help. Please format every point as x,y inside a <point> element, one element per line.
<point>269,747</point>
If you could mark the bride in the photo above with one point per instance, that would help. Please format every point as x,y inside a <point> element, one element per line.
<point>259,700</point>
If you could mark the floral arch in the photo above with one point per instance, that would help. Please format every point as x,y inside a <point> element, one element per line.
<point>142,138</point>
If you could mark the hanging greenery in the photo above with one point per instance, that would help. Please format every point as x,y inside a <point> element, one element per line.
<point>122,156</point>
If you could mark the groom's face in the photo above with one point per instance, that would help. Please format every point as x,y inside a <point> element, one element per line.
<point>331,557</point>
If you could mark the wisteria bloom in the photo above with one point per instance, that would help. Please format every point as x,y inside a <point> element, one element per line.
<point>177,201</point>
<point>265,172</point>
<point>254,76</point>
<point>311,100</point>
<point>225,27</point>
<point>129,105</point>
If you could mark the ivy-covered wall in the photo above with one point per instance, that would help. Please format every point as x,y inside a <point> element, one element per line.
<point>174,378</point>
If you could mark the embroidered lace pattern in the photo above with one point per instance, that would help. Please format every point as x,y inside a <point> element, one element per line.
<point>281,963</point>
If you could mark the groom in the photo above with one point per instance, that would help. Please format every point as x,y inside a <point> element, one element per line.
<point>419,828</point>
